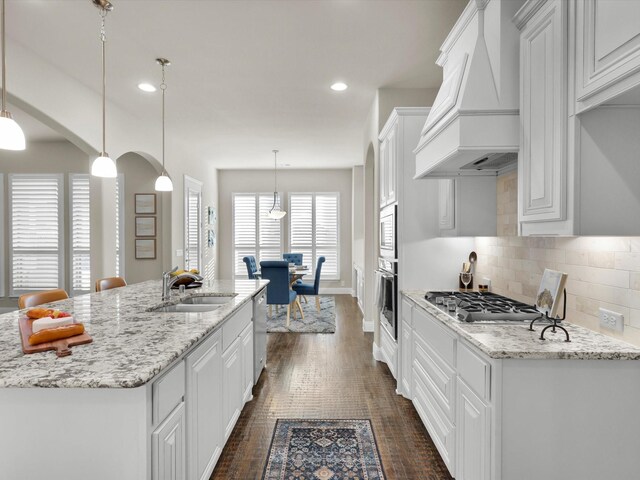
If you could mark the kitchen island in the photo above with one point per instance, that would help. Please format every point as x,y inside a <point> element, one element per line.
<point>500,403</point>
<point>156,394</point>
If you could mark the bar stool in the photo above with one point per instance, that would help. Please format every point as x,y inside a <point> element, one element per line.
<point>29,300</point>
<point>109,283</point>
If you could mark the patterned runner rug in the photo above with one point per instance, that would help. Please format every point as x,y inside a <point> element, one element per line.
<point>323,450</point>
<point>314,322</point>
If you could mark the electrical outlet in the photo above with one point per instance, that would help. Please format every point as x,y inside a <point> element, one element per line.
<point>611,320</point>
<point>486,281</point>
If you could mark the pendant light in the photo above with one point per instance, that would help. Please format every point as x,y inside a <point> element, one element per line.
<point>103,166</point>
<point>276,212</point>
<point>11,135</point>
<point>163,182</point>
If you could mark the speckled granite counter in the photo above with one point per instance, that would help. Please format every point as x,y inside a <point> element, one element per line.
<point>130,345</point>
<point>516,341</point>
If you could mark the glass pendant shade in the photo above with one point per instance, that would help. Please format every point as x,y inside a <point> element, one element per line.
<point>103,166</point>
<point>276,214</point>
<point>164,183</point>
<point>11,135</point>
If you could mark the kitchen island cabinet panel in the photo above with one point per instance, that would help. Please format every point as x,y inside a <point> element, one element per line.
<point>169,447</point>
<point>232,385</point>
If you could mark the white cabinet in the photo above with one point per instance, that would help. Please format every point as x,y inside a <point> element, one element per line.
<point>389,348</point>
<point>446,204</point>
<point>359,287</point>
<point>168,447</point>
<point>247,363</point>
<point>466,206</point>
<point>388,166</point>
<point>607,50</point>
<point>232,386</point>
<point>542,162</point>
<point>405,346</point>
<point>473,445</point>
<point>204,419</point>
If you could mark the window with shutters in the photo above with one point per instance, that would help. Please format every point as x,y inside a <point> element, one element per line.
<point>36,233</point>
<point>313,230</point>
<point>253,232</point>
<point>193,223</point>
<point>120,225</point>
<point>80,219</point>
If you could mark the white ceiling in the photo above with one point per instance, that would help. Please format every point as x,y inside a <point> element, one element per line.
<point>247,76</point>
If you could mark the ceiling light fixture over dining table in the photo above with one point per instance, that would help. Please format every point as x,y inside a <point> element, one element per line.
<point>276,211</point>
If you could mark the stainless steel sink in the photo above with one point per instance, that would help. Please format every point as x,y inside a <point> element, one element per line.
<point>183,307</point>
<point>213,300</point>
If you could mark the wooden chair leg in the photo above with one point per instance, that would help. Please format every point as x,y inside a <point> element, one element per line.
<point>318,303</point>
<point>288,315</point>
<point>270,310</point>
<point>300,308</point>
<point>277,308</point>
<point>304,297</point>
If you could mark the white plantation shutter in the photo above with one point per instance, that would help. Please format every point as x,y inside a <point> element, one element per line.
<point>313,230</point>
<point>253,232</point>
<point>192,230</point>
<point>80,215</point>
<point>36,239</point>
<point>119,211</point>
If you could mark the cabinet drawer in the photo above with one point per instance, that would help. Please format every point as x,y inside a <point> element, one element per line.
<point>442,342</point>
<point>475,371</point>
<point>235,325</point>
<point>437,376</point>
<point>441,430</point>
<point>168,391</point>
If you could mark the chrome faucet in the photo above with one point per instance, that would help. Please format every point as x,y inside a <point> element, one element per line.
<point>168,281</point>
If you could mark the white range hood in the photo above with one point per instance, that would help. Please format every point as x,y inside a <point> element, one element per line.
<point>473,127</point>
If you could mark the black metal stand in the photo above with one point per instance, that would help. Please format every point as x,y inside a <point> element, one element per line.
<point>555,321</point>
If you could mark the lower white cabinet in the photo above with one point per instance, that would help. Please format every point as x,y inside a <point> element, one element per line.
<point>473,445</point>
<point>232,386</point>
<point>168,445</point>
<point>204,377</point>
<point>247,363</point>
<point>389,348</point>
<point>406,355</point>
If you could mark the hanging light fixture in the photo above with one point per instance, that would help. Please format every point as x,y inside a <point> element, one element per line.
<point>103,166</point>
<point>163,182</point>
<point>276,212</point>
<point>11,135</point>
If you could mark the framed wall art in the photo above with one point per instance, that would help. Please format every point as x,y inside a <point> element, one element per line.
<point>145,204</point>
<point>145,226</point>
<point>145,249</point>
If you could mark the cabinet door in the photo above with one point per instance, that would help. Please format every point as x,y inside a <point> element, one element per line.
<point>406,351</point>
<point>204,418</point>
<point>543,106</point>
<point>168,447</point>
<point>231,386</point>
<point>473,440</point>
<point>607,49</point>
<point>247,363</point>
<point>392,160</point>
<point>384,154</point>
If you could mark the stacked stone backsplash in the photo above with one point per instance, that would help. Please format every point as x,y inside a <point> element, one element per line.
<point>602,271</point>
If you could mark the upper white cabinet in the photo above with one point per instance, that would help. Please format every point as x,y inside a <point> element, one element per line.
<point>607,50</point>
<point>543,111</point>
<point>388,167</point>
<point>467,206</point>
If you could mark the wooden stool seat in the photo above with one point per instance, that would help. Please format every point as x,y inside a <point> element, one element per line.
<point>29,300</point>
<point>109,283</point>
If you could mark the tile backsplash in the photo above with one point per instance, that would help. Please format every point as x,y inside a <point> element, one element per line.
<point>602,271</point>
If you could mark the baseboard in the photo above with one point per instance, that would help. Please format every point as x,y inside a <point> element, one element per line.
<point>367,326</point>
<point>353,292</point>
<point>336,291</point>
<point>377,353</point>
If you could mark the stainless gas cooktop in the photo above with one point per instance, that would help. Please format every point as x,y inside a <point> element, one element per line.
<point>484,307</point>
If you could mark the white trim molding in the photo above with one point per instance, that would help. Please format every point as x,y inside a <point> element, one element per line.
<point>336,291</point>
<point>367,325</point>
<point>377,353</point>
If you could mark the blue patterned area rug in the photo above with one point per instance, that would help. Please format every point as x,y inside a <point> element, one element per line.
<point>314,322</point>
<point>323,450</point>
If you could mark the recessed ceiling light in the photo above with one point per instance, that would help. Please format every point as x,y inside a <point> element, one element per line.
<point>146,87</point>
<point>339,86</point>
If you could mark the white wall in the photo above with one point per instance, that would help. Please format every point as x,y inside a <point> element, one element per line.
<point>258,181</point>
<point>358,215</point>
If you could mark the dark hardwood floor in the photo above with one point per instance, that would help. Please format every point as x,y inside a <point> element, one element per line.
<point>330,376</point>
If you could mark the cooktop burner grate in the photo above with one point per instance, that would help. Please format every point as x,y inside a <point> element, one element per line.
<point>484,307</point>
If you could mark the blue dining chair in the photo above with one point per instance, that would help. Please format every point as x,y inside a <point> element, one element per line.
<point>278,291</point>
<point>252,267</point>
<point>308,289</point>
<point>295,258</point>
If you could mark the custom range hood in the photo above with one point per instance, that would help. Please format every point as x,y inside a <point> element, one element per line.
<point>473,127</point>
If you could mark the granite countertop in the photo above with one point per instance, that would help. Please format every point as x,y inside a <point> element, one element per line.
<point>517,341</point>
<point>130,345</point>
